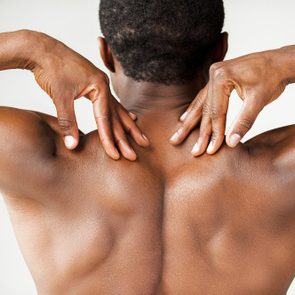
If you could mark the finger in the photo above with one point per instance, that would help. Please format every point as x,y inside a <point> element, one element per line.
<point>100,95</point>
<point>244,121</point>
<point>122,142</point>
<point>103,122</point>
<point>218,106</point>
<point>196,105</point>
<point>190,119</point>
<point>217,137</point>
<point>131,128</point>
<point>204,137</point>
<point>132,116</point>
<point>67,122</point>
<point>189,124</point>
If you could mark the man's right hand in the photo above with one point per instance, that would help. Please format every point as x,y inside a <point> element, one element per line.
<point>258,78</point>
<point>65,75</point>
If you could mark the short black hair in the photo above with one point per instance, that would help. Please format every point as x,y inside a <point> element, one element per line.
<point>161,41</point>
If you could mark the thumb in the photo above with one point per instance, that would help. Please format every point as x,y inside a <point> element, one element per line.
<point>243,122</point>
<point>67,123</point>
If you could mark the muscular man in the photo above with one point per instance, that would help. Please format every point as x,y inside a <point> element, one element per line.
<point>166,223</point>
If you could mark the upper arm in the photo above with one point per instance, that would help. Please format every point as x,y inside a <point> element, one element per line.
<point>276,150</point>
<point>279,143</point>
<point>27,151</point>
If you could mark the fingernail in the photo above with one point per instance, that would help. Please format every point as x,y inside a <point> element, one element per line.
<point>144,137</point>
<point>130,154</point>
<point>183,117</point>
<point>174,137</point>
<point>132,115</point>
<point>210,147</point>
<point>133,156</point>
<point>196,149</point>
<point>234,140</point>
<point>115,155</point>
<point>70,142</point>
<point>129,151</point>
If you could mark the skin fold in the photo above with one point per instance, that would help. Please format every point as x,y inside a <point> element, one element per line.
<point>165,223</point>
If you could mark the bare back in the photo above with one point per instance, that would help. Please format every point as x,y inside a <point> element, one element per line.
<point>166,224</point>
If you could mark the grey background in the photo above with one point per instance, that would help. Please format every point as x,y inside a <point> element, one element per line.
<point>253,26</point>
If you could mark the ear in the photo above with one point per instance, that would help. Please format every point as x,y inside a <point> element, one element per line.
<point>106,54</point>
<point>221,48</point>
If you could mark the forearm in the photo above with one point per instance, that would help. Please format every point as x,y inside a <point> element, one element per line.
<point>21,49</point>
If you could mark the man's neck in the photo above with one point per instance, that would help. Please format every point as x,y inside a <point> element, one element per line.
<point>145,97</point>
<point>158,108</point>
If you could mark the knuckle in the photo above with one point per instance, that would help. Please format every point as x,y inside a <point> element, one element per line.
<point>102,82</point>
<point>105,142</point>
<point>214,67</point>
<point>214,136</point>
<point>119,141</point>
<point>216,114</point>
<point>65,124</point>
<point>218,71</point>
<point>197,104</point>
<point>246,123</point>
<point>102,117</point>
<point>105,78</point>
<point>206,109</point>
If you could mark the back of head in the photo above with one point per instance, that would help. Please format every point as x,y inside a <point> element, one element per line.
<point>161,41</point>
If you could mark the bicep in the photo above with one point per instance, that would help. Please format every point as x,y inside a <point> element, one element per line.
<point>26,151</point>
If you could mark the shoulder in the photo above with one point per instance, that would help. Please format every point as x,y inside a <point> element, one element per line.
<point>22,129</point>
<point>277,144</point>
<point>29,147</point>
<point>28,131</point>
<point>274,155</point>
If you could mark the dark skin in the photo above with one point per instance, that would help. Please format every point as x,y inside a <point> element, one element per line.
<point>166,223</point>
<point>67,81</point>
<point>249,76</point>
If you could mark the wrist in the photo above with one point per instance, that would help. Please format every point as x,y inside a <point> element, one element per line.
<point>285,63</point>
<point>21,49</point>
<point>32,49</point>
